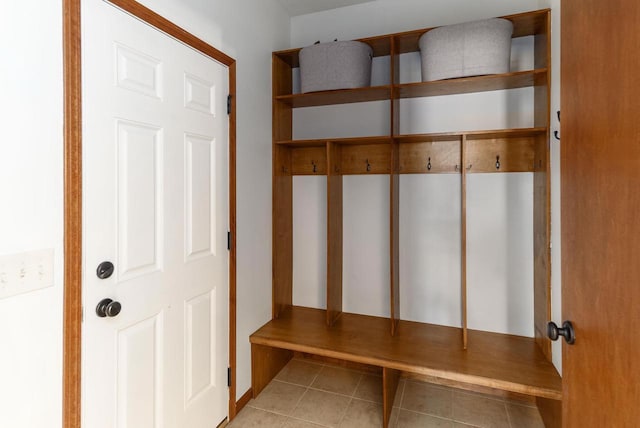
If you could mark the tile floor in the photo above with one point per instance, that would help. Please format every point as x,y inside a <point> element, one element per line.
<point>308,394</point>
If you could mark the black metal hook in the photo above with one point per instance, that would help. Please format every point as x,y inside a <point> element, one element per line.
<point>368,166</point>
<point>498,162</point>
<point>429,165</point>
<point>557,135</point>
<point>315,167</point>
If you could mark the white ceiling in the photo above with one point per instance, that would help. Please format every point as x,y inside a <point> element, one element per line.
<point>302,7</point>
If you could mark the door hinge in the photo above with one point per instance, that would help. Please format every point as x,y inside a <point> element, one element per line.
<point>229,104</point>
<point>229,377</point>
<point>229,241</point>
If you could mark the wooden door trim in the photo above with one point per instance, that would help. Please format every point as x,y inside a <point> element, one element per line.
<point>72,75</point>
<point>72,300</point>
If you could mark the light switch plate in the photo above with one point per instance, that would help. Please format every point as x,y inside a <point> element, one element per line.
<point>25,272</point>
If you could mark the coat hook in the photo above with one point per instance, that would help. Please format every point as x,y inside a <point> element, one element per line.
<point>497,162</point>
<point>469,167</point>
<point>457,168</point>
<point>315,167</point>
<point>557,135</point>
<point>429,165</point>
<point>558,112</point>
<point>368,166</point>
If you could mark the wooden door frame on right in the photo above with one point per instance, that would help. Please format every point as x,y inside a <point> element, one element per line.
<point>72,315</point>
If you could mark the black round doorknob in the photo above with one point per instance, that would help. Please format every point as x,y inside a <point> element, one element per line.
<point>566,331</point>
<point>105,270</point>
<point>108,308</point>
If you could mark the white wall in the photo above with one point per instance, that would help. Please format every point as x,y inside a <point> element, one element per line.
<point>32,193</point>
<point>500,224</point>
<point>31,210</point>
<point>247,30</point>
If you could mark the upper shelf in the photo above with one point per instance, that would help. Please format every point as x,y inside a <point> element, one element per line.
<point>499,134</point>
<point>341,96</point>
<point>463,85</point>
<point>524,24</point>
<point>466,85</point>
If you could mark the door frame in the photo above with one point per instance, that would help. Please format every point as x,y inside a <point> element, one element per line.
<point>72,75</point>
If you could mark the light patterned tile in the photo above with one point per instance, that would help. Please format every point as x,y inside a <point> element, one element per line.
<point>425,398</point>
<point>409,419</point>
<point>479,411</point>
<point>399,393</point>
<point>362,414</point>
<point>250,418</point>
<point>297,423</point>
<point>393,418</point>
<point>278,397</point>
<point>337,379</point>
<point>321,407</point>
<point>299,372</point>
<point>370,388</point>
<point>524,416</point>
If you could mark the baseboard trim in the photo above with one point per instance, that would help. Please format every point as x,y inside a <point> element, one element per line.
<point>243,400</point>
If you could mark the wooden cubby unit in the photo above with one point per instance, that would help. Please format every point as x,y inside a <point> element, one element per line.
<point>458,355</point>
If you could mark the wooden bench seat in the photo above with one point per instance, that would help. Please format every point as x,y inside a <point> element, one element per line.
<point>498,361</point>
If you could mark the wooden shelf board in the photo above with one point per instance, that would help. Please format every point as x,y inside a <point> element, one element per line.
<point>462,85</point>
<point>471,135</point>
<point>339,96</point>
<point>426,138</point>
<point>466,85</point>
<point>342,141</point>
<point>420,138</point>
<point>506,133</point>
<point>509,363</point>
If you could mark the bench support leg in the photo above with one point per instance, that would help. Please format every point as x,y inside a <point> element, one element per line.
<point>390,379</point>
<point>266,362</point>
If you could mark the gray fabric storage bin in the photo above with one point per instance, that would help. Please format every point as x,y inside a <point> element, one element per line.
<point>469,49</point>
<point>335,65</point>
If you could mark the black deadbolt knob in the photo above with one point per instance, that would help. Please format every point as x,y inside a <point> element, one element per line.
<point>105,270</point>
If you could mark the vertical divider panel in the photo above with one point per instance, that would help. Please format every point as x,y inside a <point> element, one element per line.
<point>390,380</point>
<point>282,188</point>
<point>334,232</point>
<point>463,235</point>
<point>282,231</point>
<point>394,180</point>
<point>542,192</point>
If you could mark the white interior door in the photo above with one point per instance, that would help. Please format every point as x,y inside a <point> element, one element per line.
<point>155,206</point>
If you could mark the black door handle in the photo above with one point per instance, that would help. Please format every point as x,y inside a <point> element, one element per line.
<point>108,308</point>
<point>553,332</point>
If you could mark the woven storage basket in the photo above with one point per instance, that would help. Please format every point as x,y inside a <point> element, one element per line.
<point>469,49</point>
<point>335,65</point>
